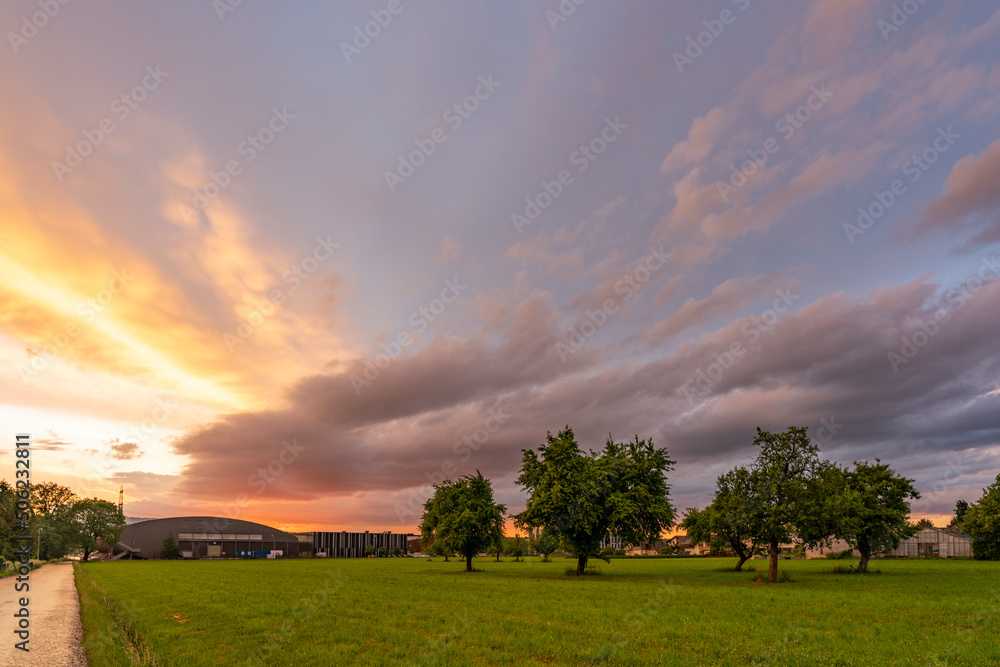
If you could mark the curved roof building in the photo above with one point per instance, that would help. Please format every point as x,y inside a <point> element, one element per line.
<point>209,537</point>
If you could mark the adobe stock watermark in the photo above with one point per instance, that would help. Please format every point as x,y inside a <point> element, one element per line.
<point>581,158</point>
<point>627,286</point>
<point>454,116</point>
<point>957,297</point>
<point>420,319</point>
<point>363,35</point>
<point>464,448</point>
<point>294,278</point>
<point>122,107</point>
<point>714,28</point>
<point>562,12</point>
<point>899,17</point>
<point>915,168</point>
<point>30,25</point>
<point>223,7</point>
<point>249,149</point>
<point>87,311</point>
<point>705,379</point>
<point>787,126</point>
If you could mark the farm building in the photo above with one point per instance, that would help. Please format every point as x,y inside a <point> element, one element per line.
<point>935,542</point>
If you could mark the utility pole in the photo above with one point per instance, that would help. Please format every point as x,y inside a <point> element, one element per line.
<point>121,498</point>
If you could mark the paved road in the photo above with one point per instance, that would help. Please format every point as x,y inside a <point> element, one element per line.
<point>55,620</point>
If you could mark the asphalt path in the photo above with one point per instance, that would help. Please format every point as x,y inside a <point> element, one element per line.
<point>54,617</point>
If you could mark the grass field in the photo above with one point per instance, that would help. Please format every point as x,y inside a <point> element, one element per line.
<point>636,612</point>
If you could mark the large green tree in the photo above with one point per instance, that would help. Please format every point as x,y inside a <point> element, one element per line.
<point>733,519</point>
<point>463,518</point>
<point>582,498</point>
<point>52,509</point>
<point>982,523</point>
<point>789,485</point>
<point>96,521</point>
<point>872,509</point>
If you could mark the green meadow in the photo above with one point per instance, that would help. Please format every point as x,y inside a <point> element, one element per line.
<point>632,612</point>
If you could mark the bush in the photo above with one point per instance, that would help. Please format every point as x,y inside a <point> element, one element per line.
<point>846,554</point>
<point>619,552</point>
<point>305,554</point>
<point>608,551</point>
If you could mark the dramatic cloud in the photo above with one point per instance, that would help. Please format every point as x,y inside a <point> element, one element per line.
<point>213,297</point>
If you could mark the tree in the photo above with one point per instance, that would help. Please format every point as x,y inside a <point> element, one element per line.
<point>788,483</point>
<point>463,517</point>
<point>96,521</point>
<point>383,552</point>
<point>9,529</point>
<point>515,546</point>
<point>545,543</point>
<point>438,549</point>
<point>51,505</point>
<point>924,523</point>
<point>981,522</point>
<point>170,549</point>
<point>733,518</point>
<point>961,508</point>
<point>872,509</point>
<point>582,498</point>
<point>369,551</point>
<point>48,497</point>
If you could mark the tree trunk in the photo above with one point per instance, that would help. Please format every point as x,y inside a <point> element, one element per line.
<point>498,556</point>
<point>743,559</point>
<point>772,567</point>
<point>866,554</point>
<point>581,565</point>
<point>468,563</point>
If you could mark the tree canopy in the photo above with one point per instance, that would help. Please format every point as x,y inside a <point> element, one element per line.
<point>463,518</point>
<point>872,509</point>
<point>733,519</point>
<point>788,485</point>
<point>981,522</point>
<point>582,498</point>
<point>97,521</point>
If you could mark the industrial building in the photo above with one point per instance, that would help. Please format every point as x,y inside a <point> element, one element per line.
<point>208,537</point>
<point>217,537</point>
<point>353,545</point>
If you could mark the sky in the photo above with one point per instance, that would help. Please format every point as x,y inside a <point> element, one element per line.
<point>296,262</point>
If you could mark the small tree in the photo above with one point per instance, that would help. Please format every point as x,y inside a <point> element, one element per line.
<point>871,509</point>
<point>982,523</point>
<point>515,546</point>
<point>463,517</point>
<point>732,519</point>
<point>383,552</point>
<point>961,509</point>
<point>369,551</point>
<point>924,523</point>
<point>545,543</point>
<point>170,551</point>
<point>397,551</point>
